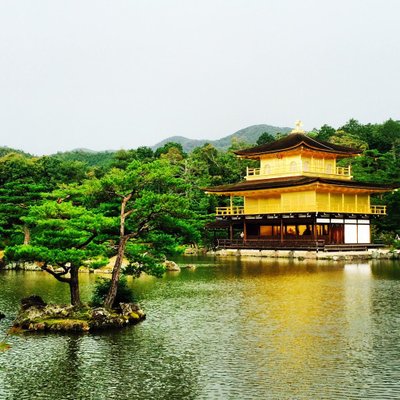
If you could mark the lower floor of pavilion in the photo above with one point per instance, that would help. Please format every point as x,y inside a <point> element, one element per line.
<point>293,231</point>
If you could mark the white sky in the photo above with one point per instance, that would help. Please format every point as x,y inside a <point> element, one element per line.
<point>127,73</point>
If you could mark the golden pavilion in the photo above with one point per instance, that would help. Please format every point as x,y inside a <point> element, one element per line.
<point>298,198</point>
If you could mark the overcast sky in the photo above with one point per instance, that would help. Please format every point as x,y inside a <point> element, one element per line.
<point>121,74</point>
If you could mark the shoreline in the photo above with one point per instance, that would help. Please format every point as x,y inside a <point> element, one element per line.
<point>373,254</point>
<point>35,267</point>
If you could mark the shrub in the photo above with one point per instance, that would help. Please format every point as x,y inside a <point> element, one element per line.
<point>98,263</point>
<point>124,292</point>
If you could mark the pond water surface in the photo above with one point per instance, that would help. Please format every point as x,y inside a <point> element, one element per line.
<point>227,330</point>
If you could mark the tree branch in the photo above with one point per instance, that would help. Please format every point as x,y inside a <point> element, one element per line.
<point>61,199</point>
<point>126,197</point>
<point>65,268</point>
<point>55,274</point>
<point>87,241</point>
<point>128,213</point>
<point>143,226</point>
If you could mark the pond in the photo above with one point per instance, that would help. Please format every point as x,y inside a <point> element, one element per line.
<point>230,329</point>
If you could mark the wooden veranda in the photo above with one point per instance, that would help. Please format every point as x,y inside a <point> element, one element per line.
<point>303,244</point>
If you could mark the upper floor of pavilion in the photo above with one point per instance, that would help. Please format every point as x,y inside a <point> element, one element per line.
<point>298,155</point>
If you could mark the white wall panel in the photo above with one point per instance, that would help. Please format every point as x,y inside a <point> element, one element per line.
<point>364,234</point>
<point>350,233</point>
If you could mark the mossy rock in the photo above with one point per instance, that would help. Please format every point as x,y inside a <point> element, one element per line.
<point>66,318</point>
<point>60,325</point>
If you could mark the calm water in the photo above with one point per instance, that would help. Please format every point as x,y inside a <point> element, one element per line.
<point>228,330</point>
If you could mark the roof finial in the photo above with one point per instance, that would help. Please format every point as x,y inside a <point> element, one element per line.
<point>298,129</point>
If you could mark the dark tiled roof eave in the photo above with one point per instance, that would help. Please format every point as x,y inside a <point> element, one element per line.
<point>295,140</point>
<point>264,184</point>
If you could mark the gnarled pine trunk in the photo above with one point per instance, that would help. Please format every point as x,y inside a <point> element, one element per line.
<point>74,286</point>
<point>27,235</point>
<point>112,292</point>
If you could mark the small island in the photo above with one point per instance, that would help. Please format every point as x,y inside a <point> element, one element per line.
<point>35,315</point>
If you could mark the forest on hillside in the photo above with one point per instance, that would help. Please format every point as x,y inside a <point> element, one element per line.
<point>69,204</point>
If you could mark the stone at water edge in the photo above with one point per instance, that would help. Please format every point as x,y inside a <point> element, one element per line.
<point>171,266</point>
<point>190,251</point>
<point>191,267</point>
<point>129,308</point>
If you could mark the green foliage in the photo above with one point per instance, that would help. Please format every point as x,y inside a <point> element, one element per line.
<point>24,181</point>
<point>16,198</point>
<point>60,232</point>
<point>144,154</point>
<point>238,144</point>
<point>143,258</point>
<point>346,139</point>
<point>391,224</point>
<point>364,133</point>
<point>325,133</point>
<point>280,135</point>
<point>123,158</point>
<point>172,148</point>
<point>98,263</point>
<point>168,208</point>
<point>7,150</point>
<point>388,136</point>
<point>165,244</point>
<point>264,138</point>
<point>102,285</point>
<point>17,167</point>
<point>55,170</point>
<point>101,159</point>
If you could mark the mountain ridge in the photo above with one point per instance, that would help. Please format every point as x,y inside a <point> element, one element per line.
<point>249,134</point>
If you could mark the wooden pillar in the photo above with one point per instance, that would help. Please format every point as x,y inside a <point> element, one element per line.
<point>315,231</point>
<point>281,230</point>
<point>231,231</point>
<point>244,230</point>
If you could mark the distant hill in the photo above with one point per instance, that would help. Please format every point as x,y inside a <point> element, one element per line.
<point>90,157</point>
<point>4,150</point>
<point>187,144</point>
<point>249,135</point>
<point>103,158</point>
